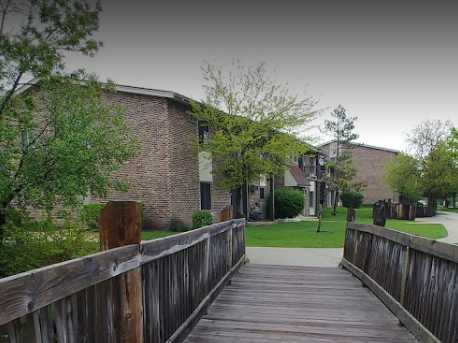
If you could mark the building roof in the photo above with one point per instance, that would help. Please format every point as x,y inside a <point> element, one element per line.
<point>364,146</point>
<point>298,175</point>
<point>129,89</point>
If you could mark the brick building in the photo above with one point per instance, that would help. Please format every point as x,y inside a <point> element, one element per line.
<point>168,175</point>
<point>369,163</point>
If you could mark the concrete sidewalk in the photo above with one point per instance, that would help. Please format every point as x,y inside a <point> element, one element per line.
<point>449,220</point>
<point>310,257</point>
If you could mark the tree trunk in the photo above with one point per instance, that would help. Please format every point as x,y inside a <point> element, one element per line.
<point>2,223</point>
<point>351,214</point>
<point>454,200</point>
<point>336,197</point>
<point>272,190</point>
<point>245,198</point>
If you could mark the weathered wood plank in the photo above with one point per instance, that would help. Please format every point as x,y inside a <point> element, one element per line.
<point>161,247</point>
<point>414,326</point>
<point>27,292</point>
<point>439,249</point>
<point>296,304</point>
<point>120,225</point>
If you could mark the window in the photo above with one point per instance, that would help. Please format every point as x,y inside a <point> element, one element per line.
<point>261,192</point>
<point>311,199</point>
<point>205,196</point>
<point>300,163</point>
<point>203,133</point>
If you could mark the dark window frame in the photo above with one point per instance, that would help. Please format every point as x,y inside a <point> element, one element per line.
<point>205,198</point>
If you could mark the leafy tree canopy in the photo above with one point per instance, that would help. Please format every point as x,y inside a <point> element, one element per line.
<point>403,176</point>
<point>58,140</point>
<point>253,122</point>
<point>439,174</point>
<point>424,138</point>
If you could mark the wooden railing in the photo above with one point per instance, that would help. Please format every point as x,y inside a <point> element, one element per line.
<point>416,278</point>
<point>87,300</point>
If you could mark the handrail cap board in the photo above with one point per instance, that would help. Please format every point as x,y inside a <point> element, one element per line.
<point>433,247</point>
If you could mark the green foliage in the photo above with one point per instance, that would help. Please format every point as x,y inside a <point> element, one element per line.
<point>425,137</point>
<point>59,140</point>
<point>439,174</point>
<point>67,151</point>
<point>35,244</point>
<point>177,225</point>
<point>201,218</point>
<point>342,126</point>
<point>403,176</point>
<point>252,121</point>
<point>351,199</point>
<point>89,215</point>
<point>289,202</point>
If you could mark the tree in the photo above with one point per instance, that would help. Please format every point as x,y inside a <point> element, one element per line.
<point>341,127</point>
<point>427,135</point>
<point>453,147</point>
<point>438,174</point>
<point>58,140</point>
<point>351,200</point>
<point>403,176</point>
<point>253,122</point>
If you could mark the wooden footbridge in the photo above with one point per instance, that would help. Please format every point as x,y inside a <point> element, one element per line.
<point>196,287</point>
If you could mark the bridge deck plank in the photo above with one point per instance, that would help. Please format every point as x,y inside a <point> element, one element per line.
<point>297,304</point>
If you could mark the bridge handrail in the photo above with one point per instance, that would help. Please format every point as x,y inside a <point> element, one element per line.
<point>79,300</point>
<point>416,278</point>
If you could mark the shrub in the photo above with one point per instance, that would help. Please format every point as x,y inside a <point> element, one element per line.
<point>351,199</point>
<point>289,202</point>
<point>89,215</point>
<point>35,244</point>
<point>201,218</point>
<point>177,225</point>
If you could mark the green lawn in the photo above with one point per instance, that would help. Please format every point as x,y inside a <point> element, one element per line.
<point>148,235</point>
<point>449,209</point>
<point>304,235</point>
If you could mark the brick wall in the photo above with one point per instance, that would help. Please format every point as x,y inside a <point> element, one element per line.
<point>164,175</point>
<point>369,164</point>
<point>147,173</point>
<point>370,167</point>
<point>184,164</point>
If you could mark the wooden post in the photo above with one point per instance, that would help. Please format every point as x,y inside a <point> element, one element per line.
<point>120,224</point>
<point>405,271</point>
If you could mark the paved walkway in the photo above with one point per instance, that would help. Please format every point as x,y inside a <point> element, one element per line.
<point>449,220</point>
<point>311,257</point>
<point>268,304</point>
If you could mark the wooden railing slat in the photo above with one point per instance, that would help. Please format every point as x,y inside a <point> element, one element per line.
<point>81,299</point>
<point>415,277</point>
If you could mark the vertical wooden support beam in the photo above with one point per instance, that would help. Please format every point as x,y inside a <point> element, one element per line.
<point>405,271</point>
<point>120,224</point>
<point>229,248</point>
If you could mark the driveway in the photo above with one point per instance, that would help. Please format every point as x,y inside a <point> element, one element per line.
<point>449,220</point>
<point>310,257</point>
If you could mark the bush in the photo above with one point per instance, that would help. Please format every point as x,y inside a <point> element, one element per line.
<point>289,202</point>
<point>201,218</point>
<point>89,215</point>
<point>351,199</point>
<point>177,225</point>
<point>35,244</point>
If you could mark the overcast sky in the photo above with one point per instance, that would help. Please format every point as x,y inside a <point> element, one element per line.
<point>391,63</point>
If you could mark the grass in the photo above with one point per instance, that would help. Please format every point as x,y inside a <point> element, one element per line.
<point>304,235</point>
<point>148,235</point>
<point>455,210</point>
